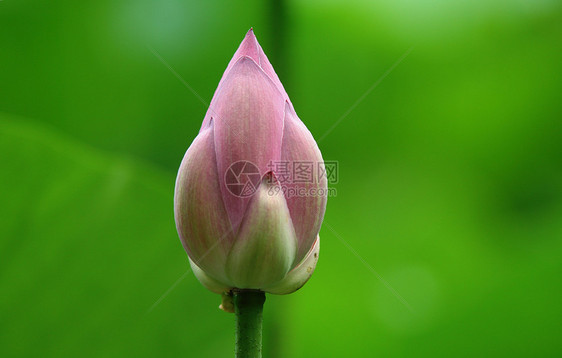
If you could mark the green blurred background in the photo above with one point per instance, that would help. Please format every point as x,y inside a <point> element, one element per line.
<point>444,239</point>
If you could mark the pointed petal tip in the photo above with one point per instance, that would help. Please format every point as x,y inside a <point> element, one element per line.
<point>245,58</point>
<point>248,47</point>
<point>245,63</point>
<point>270,179</point>
<point>289,106</point>
<point>250,36</point>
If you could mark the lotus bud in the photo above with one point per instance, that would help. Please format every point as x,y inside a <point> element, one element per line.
<point>234,217</point>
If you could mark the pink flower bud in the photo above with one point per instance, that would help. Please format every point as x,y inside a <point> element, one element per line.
<point>245,215</point>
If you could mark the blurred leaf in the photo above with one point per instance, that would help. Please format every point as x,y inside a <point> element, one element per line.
<point>88,246</point>
<point>450,175</point>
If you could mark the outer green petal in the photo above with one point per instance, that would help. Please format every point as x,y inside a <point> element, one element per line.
<point>210,283</point>
<point>265,247</point>
<point>299,275</point>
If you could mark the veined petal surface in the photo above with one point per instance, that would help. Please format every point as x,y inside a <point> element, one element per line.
<point>248,127</point>
<point>308,202</point>
<point>201,218</point>
<point>265,248</point>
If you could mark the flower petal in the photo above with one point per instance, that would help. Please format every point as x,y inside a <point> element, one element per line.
<point>266,66</point>
<point>201,219</point>
<point>248,127</point>
<point>265,248</point>
<point>210,283</point>
<point>251,48</point>
<point>298,276</point>
<point>308,206</point>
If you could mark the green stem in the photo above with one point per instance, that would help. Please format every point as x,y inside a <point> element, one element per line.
<point>248,306</point>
